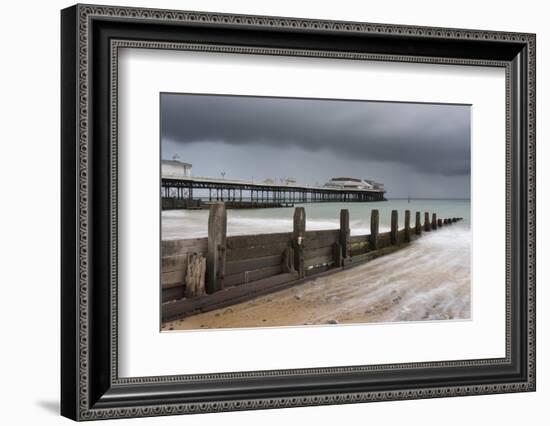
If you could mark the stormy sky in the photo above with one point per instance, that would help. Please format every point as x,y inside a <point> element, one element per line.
<point>417,150</point>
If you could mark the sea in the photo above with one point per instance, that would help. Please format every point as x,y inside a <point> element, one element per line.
<point>183,224</point>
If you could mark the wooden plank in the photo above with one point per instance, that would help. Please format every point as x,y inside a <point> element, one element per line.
<point>384,236</point>
<point>384,240</point>
<point>227,296</point>
<point>174,263</point>
<point>365,245</point>
<point>321,251</point>
<point>235,267</point>
<point>320,242</point>
<point>320,260</point>
<point>173,293</point>
<point>178,247</point>
<point>249,276</point>
<point>359,238</point>
<point>168,279</point>
<point>247,241</point>
<point>401,235</point>
<point>358,252</point>
<point>324,233</point>
<point>255,252</point>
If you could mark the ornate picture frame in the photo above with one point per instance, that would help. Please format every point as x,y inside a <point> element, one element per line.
<point>91,37</point>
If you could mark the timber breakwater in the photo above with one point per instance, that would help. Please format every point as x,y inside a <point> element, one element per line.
<point>204,274</point>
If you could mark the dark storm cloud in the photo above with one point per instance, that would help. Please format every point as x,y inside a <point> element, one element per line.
<point>431,138</point>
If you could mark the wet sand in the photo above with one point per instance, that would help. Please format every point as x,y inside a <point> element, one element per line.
<point>429,280</point>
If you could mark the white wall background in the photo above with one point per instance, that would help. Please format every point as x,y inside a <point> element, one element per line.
<point>29,226</point>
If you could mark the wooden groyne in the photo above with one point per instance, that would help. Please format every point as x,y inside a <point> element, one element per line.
<point>203,274</point>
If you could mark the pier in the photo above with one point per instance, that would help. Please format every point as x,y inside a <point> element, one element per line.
<point>182,191</point>
<point>203,274</point>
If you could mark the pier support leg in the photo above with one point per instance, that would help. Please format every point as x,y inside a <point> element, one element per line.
<point>299,234</point>
<point>427,226</point>
<point>417,224</point>
<point>373,237</point>
<point>217,237</point>
<point>407,226</point>
<point>393,232</point>
<point>439,223</point>
<point>434,221</point>
<point>344,232</point>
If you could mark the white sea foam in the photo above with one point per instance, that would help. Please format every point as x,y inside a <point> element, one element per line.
<point>429,280</point>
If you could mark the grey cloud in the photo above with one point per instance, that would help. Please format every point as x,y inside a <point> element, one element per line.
<point>431,138</point>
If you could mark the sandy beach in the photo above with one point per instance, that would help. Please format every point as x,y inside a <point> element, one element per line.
<point>429,280</point>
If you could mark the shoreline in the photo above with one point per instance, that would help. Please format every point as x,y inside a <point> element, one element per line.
<point>420,282</point>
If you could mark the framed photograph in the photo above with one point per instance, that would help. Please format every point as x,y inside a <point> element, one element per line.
<point>263,212</point>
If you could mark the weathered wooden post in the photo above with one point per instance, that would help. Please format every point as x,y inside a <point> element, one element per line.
<point>439,223</point>
<point>434,221</point>
<point>298,238</point>
<point>417,224</point>
<point>393,232</point>
<point>407,226</point>
<point>195,275</point>
<point>427,226</point>
<point>217,237</point>
<point>373,238</point>
<point>344,232</point>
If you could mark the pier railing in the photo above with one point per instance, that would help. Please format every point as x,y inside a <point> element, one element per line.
<point>203,274</point>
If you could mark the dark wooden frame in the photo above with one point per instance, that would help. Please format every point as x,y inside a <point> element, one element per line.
<point>90,386</point>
